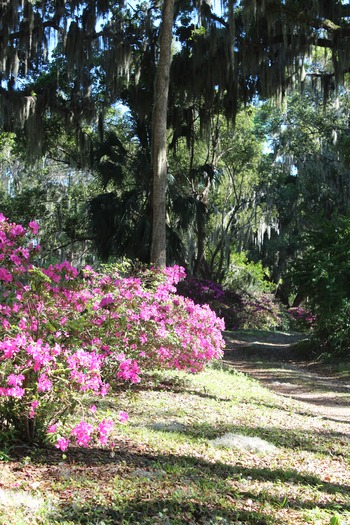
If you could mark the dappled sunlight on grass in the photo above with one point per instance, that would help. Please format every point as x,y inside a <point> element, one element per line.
<point>165,468</point>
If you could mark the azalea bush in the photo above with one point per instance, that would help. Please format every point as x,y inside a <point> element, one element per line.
<point>227,304</point>
<point>66,335</point>
<point>260,311</point>
<point>239,309</point>
<point>303,319</point>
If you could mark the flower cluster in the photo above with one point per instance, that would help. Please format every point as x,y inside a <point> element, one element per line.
<point>260,312</point>
<point>202,291</point>
<point>66,334</point>
<point>303,319</point>
<point>240,310</point>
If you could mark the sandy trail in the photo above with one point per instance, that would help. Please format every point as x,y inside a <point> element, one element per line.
<point>270,358</point>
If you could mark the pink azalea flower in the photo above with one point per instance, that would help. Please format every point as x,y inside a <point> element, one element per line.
<point>5,275</point>
<point>33,406</point>
<point>105,428</point>
<point>82,432</point>
<point>52,429</point>
<point>14,380</point>
<point>106,301</point>
<point>123,417</point>
<point>34,226</point>
<point>17,230</point>
<point>62,443</point>
<point>44,384</point>
<point>16,391</point>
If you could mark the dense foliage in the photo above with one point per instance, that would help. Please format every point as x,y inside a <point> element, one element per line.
<point>323,277</point>
<point>239,308</point>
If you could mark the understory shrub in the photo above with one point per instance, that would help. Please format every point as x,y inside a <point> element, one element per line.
<point>66,335</point>
<point>323,276</point>
<point>239,309</point>
<point>260,311</point>
<point>225,303</point>
<point>303,319</point>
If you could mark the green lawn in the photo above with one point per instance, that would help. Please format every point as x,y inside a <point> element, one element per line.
<point>166,467</point>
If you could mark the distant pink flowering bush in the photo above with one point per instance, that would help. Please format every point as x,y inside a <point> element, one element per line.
<point>65,336</point>
<point>303,319</point>
<point>240,309</point>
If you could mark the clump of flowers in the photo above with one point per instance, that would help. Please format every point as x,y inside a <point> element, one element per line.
<point>239,309</point>
<point>260,312</point>
<point>303,319</point>
<point>65,336</point>
<point>201,290</point>
<point>226,303</point>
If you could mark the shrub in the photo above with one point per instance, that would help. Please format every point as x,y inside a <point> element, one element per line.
<point>260,311</point>
<point>323,276</point>
<point>240,310</point>
<point>225,303</point>
<point>65,335</point>
<point>303,320</point>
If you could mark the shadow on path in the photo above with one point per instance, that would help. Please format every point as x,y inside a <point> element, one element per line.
<point>270,358</point>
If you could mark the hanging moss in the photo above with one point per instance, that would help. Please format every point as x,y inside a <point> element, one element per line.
<point>28,30</point>
<point>256,47</point>
<point>287,30</point>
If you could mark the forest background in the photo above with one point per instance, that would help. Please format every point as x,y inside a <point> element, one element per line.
<point>254,194</point>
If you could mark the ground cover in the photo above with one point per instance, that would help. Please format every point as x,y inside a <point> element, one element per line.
<point>278,360</point>
<point>166,466</point>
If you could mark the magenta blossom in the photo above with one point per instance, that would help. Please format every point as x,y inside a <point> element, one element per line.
<point>123,417</point>
<point>34,226</point>
<point>62,443</point>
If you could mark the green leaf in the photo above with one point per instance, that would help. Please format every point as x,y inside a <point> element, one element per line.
<point>335,520</point>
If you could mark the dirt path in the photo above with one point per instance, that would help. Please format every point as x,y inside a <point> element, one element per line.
<point>270,358</point>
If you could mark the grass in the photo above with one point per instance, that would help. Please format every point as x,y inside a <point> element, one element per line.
<point>259,343</point>
<point>165,467</point>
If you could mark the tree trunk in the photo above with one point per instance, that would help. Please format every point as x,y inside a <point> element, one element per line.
<point>159,136</point>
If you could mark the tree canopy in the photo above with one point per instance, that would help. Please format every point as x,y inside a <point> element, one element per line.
<point>75,57</point>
